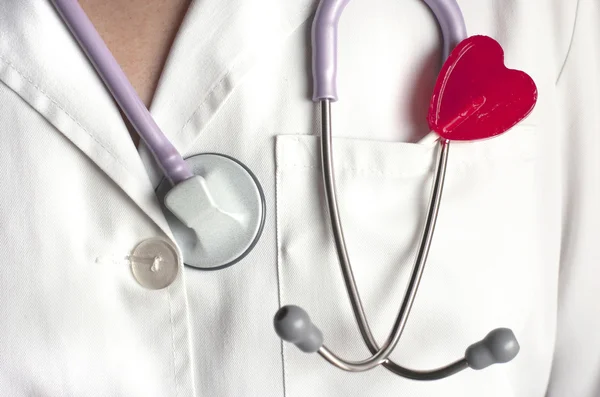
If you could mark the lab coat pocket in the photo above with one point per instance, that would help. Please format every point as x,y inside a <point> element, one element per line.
<point>483,265</point>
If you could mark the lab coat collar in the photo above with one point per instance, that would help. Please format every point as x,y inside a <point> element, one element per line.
<point>219,41</point>
<point>217,44</point>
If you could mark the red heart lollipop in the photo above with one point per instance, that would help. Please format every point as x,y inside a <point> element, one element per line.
<point>476,96</point>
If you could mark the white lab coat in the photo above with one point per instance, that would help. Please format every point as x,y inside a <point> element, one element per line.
<point>516,243</point>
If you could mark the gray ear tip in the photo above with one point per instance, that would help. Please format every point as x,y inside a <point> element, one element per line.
<point>503,343</point>
<point>499,346</point>
<point>289,310</point>
<point>291,322</point>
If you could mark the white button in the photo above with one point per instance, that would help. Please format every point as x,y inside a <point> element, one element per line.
<point>155,263</point>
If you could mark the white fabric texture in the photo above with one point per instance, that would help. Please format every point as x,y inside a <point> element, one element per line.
<point>514,245</point>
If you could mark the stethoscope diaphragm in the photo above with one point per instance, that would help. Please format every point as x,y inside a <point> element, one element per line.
<point>241,204</point>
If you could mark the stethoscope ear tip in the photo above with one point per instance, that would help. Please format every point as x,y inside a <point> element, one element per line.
<point>293,325</point>
<point>499,346</point>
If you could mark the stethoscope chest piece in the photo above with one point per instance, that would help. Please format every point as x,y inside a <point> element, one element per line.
<point>241,205</point>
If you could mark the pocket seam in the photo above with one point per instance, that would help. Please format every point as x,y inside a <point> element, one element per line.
<point>420,159</point>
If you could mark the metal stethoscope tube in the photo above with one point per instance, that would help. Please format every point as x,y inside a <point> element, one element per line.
<point>292,323</point>
<point>381,355</point>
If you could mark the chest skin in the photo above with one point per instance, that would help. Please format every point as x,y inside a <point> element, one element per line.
<point>139,34</point>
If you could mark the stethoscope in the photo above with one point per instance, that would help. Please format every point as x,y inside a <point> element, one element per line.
<point>215,206</point>
<point>489,110</point>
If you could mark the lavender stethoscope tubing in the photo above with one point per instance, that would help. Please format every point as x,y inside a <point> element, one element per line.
<point>198,210</point>
<point>172,164</point>
<point>324,40</point>
<point>291,322</point>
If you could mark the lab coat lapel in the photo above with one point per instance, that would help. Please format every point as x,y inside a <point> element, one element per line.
<point>219,41</point>
<point>43,64</point>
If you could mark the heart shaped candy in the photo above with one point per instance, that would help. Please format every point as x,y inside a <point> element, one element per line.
<point>476,96</point>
